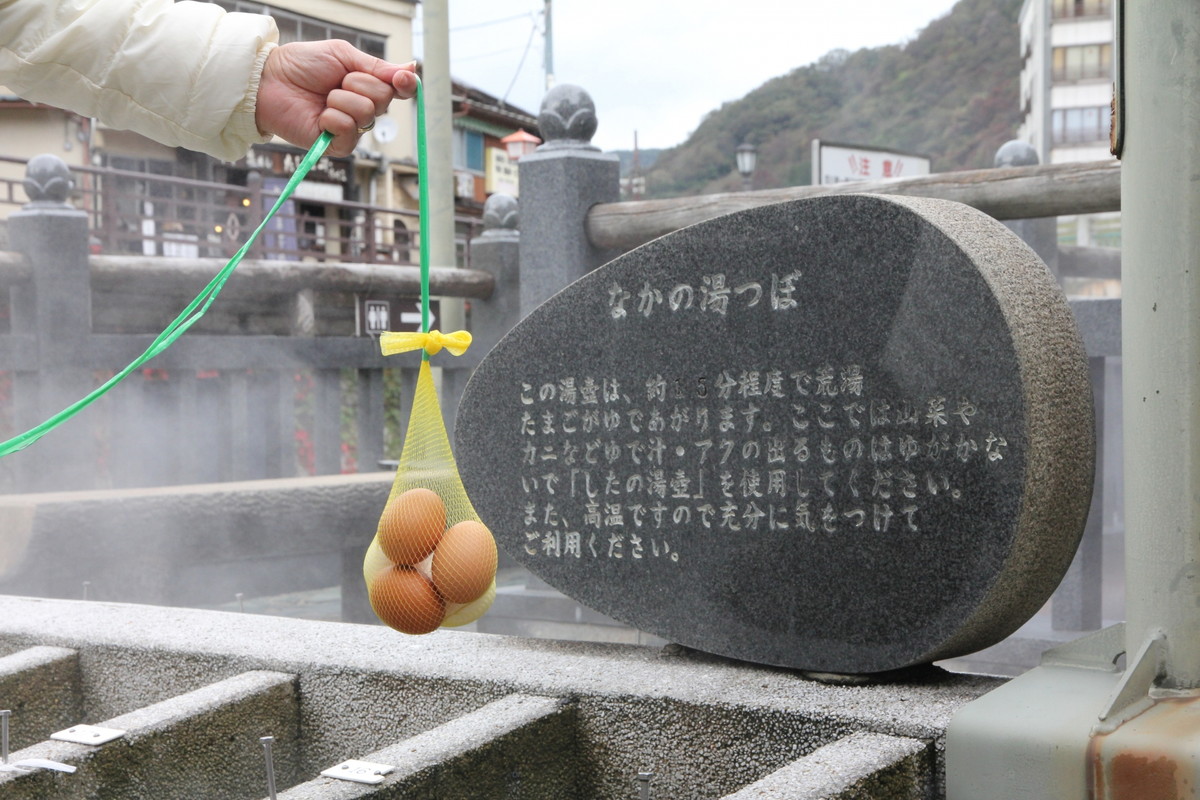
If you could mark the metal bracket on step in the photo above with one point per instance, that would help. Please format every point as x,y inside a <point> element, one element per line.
<point>88,734</point>
<point>1133,694</point>
<point>30,764</point>
<point>358,771</point>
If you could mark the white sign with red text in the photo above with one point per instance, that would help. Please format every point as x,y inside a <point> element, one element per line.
<point>843,163</point>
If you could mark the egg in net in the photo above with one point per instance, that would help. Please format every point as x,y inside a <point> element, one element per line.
<point>432,562</point>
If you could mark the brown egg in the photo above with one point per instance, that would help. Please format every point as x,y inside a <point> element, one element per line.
<point>464,563</point>
<point>411,525</point>
<point>406,600</point>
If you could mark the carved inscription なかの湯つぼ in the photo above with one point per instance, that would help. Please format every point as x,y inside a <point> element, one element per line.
<point>627,469</point>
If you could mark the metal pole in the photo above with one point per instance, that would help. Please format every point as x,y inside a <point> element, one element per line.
<point>439,129</point>
<point>1160,201</point>
<point>440,133</point>
<point>267,741</point>
<point>549,51</point>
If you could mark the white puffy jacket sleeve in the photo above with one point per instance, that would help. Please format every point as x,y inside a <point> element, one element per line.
<point>185,74</point>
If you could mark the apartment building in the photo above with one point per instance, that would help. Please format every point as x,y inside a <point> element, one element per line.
<point>1066,90</point>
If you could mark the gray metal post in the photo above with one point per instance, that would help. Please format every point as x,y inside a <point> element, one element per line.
<point>560,182</point>
<point>56,309</point>
<point>1160,206</point>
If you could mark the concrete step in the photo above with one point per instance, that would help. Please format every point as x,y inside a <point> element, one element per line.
<point>861,766</point>
<point>41,687</point>
<point>201,744</point>
<point>519,747</point>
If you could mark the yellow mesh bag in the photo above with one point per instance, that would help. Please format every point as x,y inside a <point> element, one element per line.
<point>432,562</point>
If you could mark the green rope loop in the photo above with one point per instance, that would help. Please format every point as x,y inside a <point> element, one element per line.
<point>187,318</point>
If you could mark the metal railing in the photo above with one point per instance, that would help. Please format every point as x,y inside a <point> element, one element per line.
<point>141,213</point>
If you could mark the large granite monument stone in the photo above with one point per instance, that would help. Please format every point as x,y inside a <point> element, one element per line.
<point>847,434</point>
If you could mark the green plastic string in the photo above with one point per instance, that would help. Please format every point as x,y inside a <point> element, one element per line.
<point>423,200</point>
<point>186,319</point>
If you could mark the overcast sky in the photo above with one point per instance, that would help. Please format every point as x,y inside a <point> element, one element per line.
<point>658,66</point>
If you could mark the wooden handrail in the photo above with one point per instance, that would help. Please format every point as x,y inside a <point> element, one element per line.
<point>1006,193</point>
<point>152,274</point>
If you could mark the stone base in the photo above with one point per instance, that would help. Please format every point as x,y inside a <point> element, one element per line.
<point>459,715</point>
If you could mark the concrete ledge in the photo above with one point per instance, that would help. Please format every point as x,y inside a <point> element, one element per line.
<point>200,744</point>
<point>516,747</point>
<point>188,545</point>
<point>41,686</point>
<point>706,726</point>
<point>862,766</point>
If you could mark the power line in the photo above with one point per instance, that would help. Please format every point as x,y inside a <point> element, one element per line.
<point>477,56</point>
<point>489,23</point>
<point>493,22</point>
<point>513,82</point>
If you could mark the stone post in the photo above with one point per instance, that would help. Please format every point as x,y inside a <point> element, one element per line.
<point>55,309</point>
<point>1040,234</point>
<point>560,182</point>
<point>497,251</point>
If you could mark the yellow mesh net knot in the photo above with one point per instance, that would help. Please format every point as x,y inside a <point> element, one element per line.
<point>431,342</point>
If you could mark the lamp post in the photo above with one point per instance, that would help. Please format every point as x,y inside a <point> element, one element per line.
<point>521,143</point>
<point>747,155</point>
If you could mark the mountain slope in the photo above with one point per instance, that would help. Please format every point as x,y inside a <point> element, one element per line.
<point>951,93</point>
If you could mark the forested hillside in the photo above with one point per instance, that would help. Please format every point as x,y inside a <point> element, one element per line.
<point>951,93</point>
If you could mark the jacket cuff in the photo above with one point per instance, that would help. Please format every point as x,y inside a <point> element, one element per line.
<point>242,126</point>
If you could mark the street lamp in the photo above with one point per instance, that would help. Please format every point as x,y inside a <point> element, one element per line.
<point>747,154</point>
<point>521,143</point>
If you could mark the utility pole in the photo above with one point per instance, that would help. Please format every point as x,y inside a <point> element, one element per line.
<point>549,56</point>
<point>440,159</point>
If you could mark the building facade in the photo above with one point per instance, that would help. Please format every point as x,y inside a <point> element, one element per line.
<point>1066,92</point>
<point>152,199</point>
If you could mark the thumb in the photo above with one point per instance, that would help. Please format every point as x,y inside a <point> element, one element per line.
<point>356,60</point>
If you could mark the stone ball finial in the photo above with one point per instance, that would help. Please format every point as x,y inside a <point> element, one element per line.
<point>567,117</point>
<point>48,180</point>
<point>1016,153</point>
<point>500,213</point>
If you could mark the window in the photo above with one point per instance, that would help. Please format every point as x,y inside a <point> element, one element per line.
<point>1080,125</point>
<point>468,150</point>
<point>1084,62</point>
<point>299,28</point>
<point>1065,9</point>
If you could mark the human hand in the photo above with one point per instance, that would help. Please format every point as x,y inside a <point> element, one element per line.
<point>309,87</point>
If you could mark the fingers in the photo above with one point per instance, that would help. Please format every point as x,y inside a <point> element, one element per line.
<point>353,107</point>
<point>330,83</point>
<point>405,81</point>
<point>358,61</point>
<point>375,91</point>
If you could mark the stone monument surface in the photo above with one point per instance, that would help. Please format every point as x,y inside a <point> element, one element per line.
<point>846,434</point>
